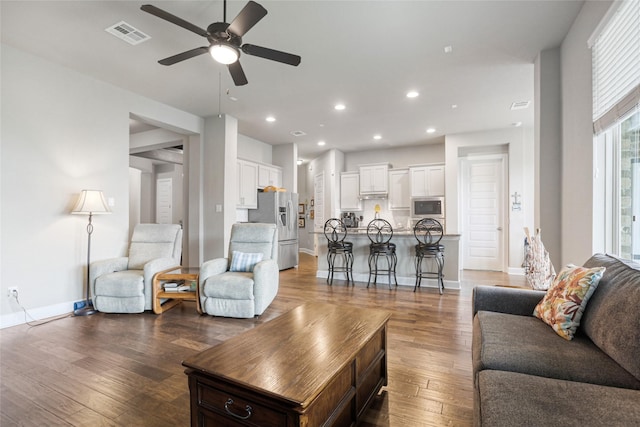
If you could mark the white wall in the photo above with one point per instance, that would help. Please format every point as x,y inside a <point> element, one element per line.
<point>254,150</point>
<point>577,136</point>
<point>400,157</point>
<point>62,132</point>
<point>548,150</point>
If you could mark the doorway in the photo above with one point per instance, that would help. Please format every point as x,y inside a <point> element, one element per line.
<point>484,231</point>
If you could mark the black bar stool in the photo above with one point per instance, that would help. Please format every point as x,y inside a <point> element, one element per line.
<point>429,232</point>
<point>380,232</point>
<point>335,232</point>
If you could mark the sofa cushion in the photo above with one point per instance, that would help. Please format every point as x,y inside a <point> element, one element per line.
<point>612,318</point>
<point>229,285</point>
<point>565,301</point>
<point>525,344</point>
<point>126,283</point>
<point>512,399</point>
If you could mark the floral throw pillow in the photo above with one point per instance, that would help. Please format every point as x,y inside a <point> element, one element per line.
<point>565,300</point>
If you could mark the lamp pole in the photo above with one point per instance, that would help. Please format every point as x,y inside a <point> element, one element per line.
<point>87,310</point>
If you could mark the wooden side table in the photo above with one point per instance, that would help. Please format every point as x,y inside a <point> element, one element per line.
<point>174,298</point>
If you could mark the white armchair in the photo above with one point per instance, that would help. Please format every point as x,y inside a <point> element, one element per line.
<point>244,294</point>
<point>123,285</point>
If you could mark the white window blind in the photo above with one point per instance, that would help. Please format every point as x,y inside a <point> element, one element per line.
<point>616,66</point>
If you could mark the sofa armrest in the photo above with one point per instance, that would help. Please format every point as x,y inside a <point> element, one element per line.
<point>213,267</point>
<point>505,300</point>
<point>266,279</point>
<point>152,268</point>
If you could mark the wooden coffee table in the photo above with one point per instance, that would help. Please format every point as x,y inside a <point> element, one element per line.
<point>316,365</point>
<point>187,274</point>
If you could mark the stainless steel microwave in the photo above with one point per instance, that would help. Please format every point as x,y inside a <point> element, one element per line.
<point>427,207</point>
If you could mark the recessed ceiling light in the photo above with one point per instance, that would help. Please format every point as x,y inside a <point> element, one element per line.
<point>300,162</point>
<point>431,130</point>
<point>516,124</point>
<point>377,136</point>
<point>412,94</point>
<point>448,49</point>
<point>454,106</point>
<point>339,107</point>
<point>270,119</point>
<point>321,143</point>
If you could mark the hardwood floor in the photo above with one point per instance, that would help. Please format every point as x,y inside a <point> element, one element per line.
<point>125,370</point>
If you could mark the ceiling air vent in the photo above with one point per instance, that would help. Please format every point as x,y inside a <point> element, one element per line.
<point>521,105</point>
<point>127,33</point>
<point>297,133</point>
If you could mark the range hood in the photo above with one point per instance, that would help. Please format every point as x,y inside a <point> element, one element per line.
<point>373,196</point>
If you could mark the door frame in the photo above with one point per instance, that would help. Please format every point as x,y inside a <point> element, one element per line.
<point>463,163</point>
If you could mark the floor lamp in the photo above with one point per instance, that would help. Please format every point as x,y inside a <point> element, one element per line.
<point>89,203</point>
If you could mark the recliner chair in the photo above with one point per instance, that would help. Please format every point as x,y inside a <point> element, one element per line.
<point>123,285</point>
<point>244,284</point>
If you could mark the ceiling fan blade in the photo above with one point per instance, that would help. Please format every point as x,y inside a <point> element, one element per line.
<point>237,74</point>
<point>274,55</point>
<point>174,19</point>
<point>184,55</point>
<point>249,16</point>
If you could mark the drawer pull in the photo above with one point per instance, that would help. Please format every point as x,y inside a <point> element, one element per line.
<point>240,417</point>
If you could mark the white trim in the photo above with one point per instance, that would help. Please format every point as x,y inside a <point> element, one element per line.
<point>40,313</point>
<point>515,271</point>
<point>307,251</point>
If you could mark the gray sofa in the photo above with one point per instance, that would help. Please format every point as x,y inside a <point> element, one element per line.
<point>525,374</point>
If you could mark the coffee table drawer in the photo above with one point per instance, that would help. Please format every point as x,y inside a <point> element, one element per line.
<point>241,410</point>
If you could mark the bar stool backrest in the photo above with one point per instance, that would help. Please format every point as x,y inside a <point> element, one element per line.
<point>379,231</point>
<point>428,232</point>
<point>334,230</point>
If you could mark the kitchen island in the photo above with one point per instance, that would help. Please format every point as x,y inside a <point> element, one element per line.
<point>405,269</point>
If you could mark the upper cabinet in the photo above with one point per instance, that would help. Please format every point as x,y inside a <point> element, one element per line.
<point>269,176</point>
<point>350,191</point>
<point>374,179</point>
<point>399,189</point>
<point>247,185</point>
<point>426,181</point>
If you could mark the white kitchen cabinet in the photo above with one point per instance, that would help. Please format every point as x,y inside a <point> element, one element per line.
<point>399,191</point>
<point>247,185</point>
<point>350,191</point>
<point>269,176</point>
<point>374,179</point>
<point>427,181</point>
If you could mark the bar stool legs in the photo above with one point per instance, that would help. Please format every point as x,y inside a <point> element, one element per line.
<point>346,267</point>
<point>392,261</point>
<point>438,257</point>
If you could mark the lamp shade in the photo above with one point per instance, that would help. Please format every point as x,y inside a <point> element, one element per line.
<point>91,202</point>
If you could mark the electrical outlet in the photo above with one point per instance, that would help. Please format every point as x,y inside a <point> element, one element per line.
<point>12,291</point>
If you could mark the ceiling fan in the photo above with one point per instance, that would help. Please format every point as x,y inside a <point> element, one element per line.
<point>225,40</point>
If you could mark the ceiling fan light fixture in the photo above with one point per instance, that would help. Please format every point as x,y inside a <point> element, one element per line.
<point>223,53</point>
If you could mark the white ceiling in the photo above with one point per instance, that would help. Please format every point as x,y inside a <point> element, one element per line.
<point>366,54</point>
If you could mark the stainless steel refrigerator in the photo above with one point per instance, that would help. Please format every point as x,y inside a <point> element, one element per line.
<point>282,209</point>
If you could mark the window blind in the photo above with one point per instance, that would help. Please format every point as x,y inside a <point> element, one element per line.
<point>616,66</point>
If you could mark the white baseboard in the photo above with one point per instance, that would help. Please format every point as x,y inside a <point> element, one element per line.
<point>402,280</point>
<point>307,251</point>
<point>516,271</point>
<point>40,313</point>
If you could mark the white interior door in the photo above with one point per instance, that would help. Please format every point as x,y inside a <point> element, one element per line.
<point>483,232</point>
<point>164,196</point>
